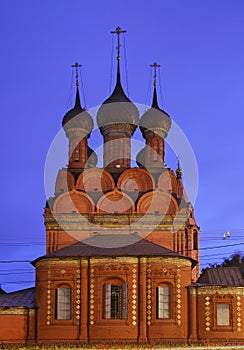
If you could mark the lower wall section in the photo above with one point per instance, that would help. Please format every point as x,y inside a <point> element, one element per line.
<point>17,325</point>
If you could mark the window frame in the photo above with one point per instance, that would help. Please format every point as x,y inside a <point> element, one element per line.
<point>108,289</point>
<point>229,314</point>
<point>168,302</point>
<point>223,299</point>
<point>67,303</point>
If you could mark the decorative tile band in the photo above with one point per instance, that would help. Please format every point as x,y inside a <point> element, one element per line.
<point>49,298</point>
<point>207,314</point>
<point>92,306</point>
<point>149,295</point>
<point>238,313</point>
<point>178,295</point>
<point>78,297</point>
<point>134,292</point>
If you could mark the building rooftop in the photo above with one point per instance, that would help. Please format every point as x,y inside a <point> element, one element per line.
<point>24,297</point>
<point>222,276</point>
<point>113,246</point>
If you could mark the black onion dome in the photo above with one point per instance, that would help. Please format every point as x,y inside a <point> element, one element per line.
<point>77,117</point>
<point>118,109</point>
<point>155,119</point>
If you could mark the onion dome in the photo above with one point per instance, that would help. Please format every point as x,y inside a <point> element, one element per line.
<point>155,121</point>
<point>118,110</point>
<point>77,118</point>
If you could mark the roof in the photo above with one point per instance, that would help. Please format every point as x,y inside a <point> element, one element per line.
<point>113,245</point>
<point>24,297</point>
<point>224,276</point>
<point>2,291</point>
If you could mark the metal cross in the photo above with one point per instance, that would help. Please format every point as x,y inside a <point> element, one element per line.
<point>118,31</point>
<point>155,66</point>
<point>76,66</point>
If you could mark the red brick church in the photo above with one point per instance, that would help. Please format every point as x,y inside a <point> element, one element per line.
<point>122,246</point>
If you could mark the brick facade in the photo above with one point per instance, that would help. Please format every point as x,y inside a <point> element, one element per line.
<point>122,246</point>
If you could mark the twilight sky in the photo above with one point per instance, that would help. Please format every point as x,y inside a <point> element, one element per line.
<point>200,47</point>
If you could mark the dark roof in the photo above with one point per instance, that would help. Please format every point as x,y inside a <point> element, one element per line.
<point>223,276</point>
<point>2,291</point>
<point>114,245</point>
<point>118,95</point>
<point>24,297</point>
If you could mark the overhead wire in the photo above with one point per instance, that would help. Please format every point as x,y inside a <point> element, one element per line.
<point>71,91</point>
<point>160,87</point>
<point>111,65</point>
<point>126,66</point>
<point>82,88</point>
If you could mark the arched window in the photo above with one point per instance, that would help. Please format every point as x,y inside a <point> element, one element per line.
<point>163,302</point>
<point>63,303</point>
<point>186,241</point>
<point>195,240</point>
<point>115,301</point>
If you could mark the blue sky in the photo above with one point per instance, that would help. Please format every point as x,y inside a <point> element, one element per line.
<point>199,45</point>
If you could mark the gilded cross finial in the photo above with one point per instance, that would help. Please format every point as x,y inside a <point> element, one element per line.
<point>179,170</point>
<point>155,66</point>
<point>76,66</point>
<point>118,31</point>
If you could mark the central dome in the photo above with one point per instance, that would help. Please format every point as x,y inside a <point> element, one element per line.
<point>118,110</point>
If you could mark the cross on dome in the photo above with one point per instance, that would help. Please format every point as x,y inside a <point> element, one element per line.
<point>155,65</point>
<point>76,66</point>
<point>118,31</point>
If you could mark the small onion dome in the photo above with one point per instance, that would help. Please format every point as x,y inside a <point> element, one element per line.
<point>77,118</point>
<point>155,121</point>
<point>118,110</point>
<point>179,171</point>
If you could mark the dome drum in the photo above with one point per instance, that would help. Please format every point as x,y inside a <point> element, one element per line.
<point>154,132</point>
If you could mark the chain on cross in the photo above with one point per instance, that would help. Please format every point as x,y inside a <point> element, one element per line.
<point>118,31</point>
<point>155,66</point>
<point>76,66</point>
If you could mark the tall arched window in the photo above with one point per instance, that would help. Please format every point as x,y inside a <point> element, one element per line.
<point>186,241</point>
<point>63,303</point>
<point>115,301</point>
<point>195,240</point>
<point>163,302</point>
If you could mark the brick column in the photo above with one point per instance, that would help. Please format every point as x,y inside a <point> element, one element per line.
<point>142,319</point>
<point>83,334</point>
<point>192,297</point>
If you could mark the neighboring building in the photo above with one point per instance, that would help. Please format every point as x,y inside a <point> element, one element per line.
<point>125,270</point>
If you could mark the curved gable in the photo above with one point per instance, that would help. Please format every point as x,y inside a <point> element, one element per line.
<point>136,179</point>
<point>95,179</point>
<point>73,201</point>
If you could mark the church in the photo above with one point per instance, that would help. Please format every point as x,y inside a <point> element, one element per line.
<point>122,261</point>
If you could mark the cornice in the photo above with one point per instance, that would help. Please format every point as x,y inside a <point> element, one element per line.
<point>16,310</point>
<point>121,222</point>
<point>212,290</point>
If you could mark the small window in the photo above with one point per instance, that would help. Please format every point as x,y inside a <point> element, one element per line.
<point>223,314</point>
<point>115,301</point>
<point>63,303</point>
<point>163,302</point>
